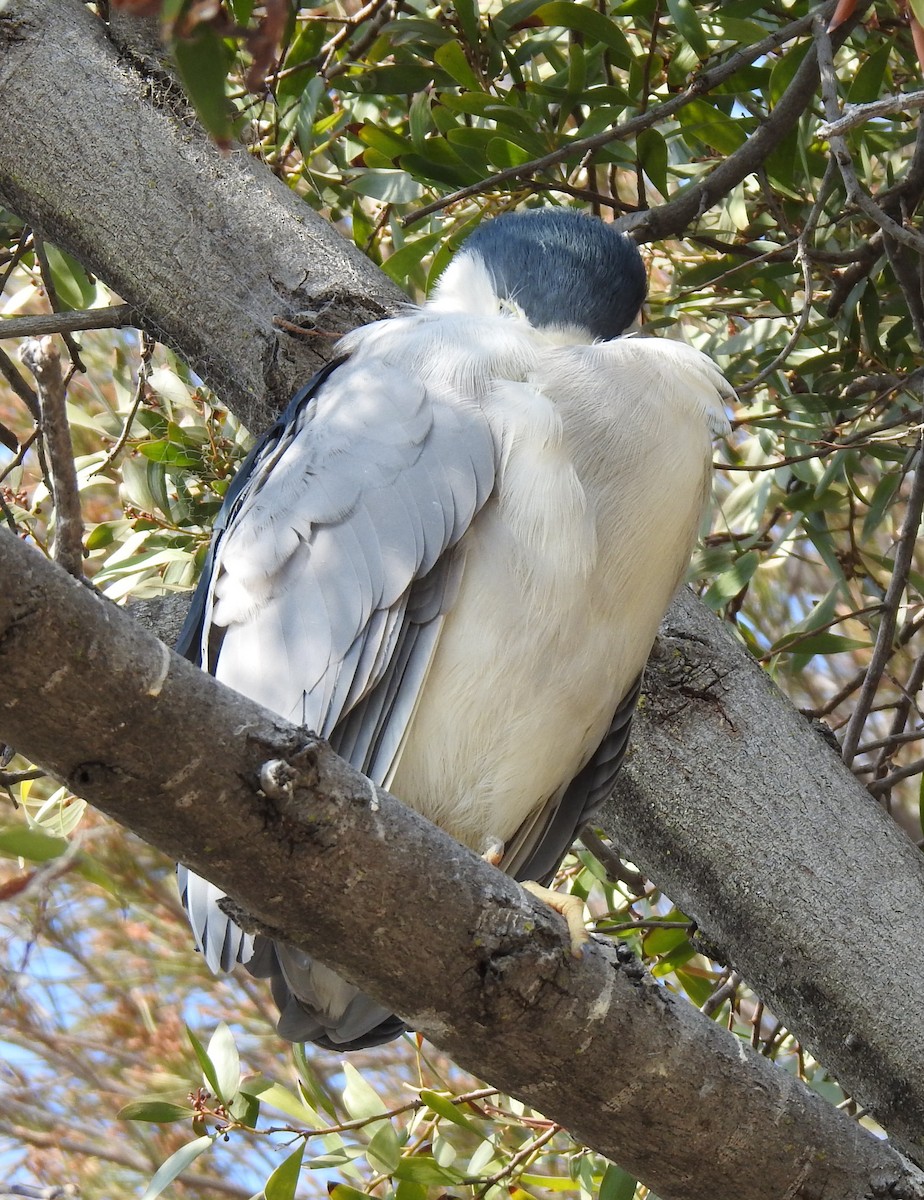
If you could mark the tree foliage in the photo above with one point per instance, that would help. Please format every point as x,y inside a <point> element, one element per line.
<point>771,172</point>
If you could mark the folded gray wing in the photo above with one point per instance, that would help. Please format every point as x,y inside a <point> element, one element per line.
<point>331,571</point>
<point>537,848</point>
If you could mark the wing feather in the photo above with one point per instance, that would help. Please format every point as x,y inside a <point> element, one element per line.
<point>323,596</point>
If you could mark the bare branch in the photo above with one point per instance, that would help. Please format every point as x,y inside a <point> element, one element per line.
<point>114,317</point>
<point>43,360</point>
<point>855,115</point>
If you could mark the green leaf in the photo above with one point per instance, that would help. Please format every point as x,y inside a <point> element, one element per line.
<point>202,61</point>
<point>451,57</point>
<point>424,1169</point>
<point>503,153</point>
<point>881,502</point>
<point>590,22</point>
<point>784,71</point>
<point>401,265</point>
<point>467,12</point>
<point>176,1164</point>
<point>161,1112</point>
<point>420,122</point>
<point>283,1182</point>
<point>359,1098</point>
<point>222,1053</point>
<point>406,1190</point>
<point>171,454</point>
<point>310,1086</point>
<point>818,643</point>
<point>663,941</point>
<point>867,83</point>
<point>696,987</point>
<point>674,959</point>
<point>688,26</point>
<point>483,1155</point>
<point>384,1149</point>
<point>208,1067</point>
<point>19,841</point>
<point>74,288</point>
<point>246,1109</point>
<point>712,127</point>
<point>343,1191</point>
<point>444,1107</point>
<point>145,484</point>
<point>390,81</point>
<point>307,112</point>
<point>308,42</point>
<point>391,187</point>
<point>101,535</point>
<point>617,1184</point>
<point>727,585</point>
<point>652,154</point>
<point>279,1097</point>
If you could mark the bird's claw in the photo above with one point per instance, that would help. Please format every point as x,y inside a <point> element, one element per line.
<point>570,907</point>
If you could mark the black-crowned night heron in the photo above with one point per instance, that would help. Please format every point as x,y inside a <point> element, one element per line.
<point>450,557</point>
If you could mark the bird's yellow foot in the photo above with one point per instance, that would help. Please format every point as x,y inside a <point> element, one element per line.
<point>570,907</point>
<point>493,851</point>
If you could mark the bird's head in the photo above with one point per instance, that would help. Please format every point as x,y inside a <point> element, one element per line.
<point>557,267</point>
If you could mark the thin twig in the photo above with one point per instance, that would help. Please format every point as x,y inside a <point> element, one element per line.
<point>18,384</point>
<point>115,316</point>
<point>609,859</point>
<point>877,786</point>
<point>839,149</point>
<point>43,360</point>
<point>9,778</point>
<point>725,991</point>
<point>858,114</point>
<point>20,455</point>
<point>892,741</point>
<point>900,717</point>
<point>521,1156</point>
<point>144,372</point>
<point>22,246</point>
<point>330,47</point>
<point>885,638</point>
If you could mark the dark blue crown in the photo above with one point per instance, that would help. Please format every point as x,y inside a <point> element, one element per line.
<point>563,268</point>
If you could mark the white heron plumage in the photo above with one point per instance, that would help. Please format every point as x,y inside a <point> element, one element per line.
<point>451,555</point>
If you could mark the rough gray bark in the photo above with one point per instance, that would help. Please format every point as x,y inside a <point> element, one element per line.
<point>200,260</point>
<point>472,961</point>
<point>750,822</point>
<point>208,248</point>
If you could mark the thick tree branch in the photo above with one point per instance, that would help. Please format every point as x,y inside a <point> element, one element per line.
<point>191,238</point>
<point>466,955</point>
<point>750,822</point>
